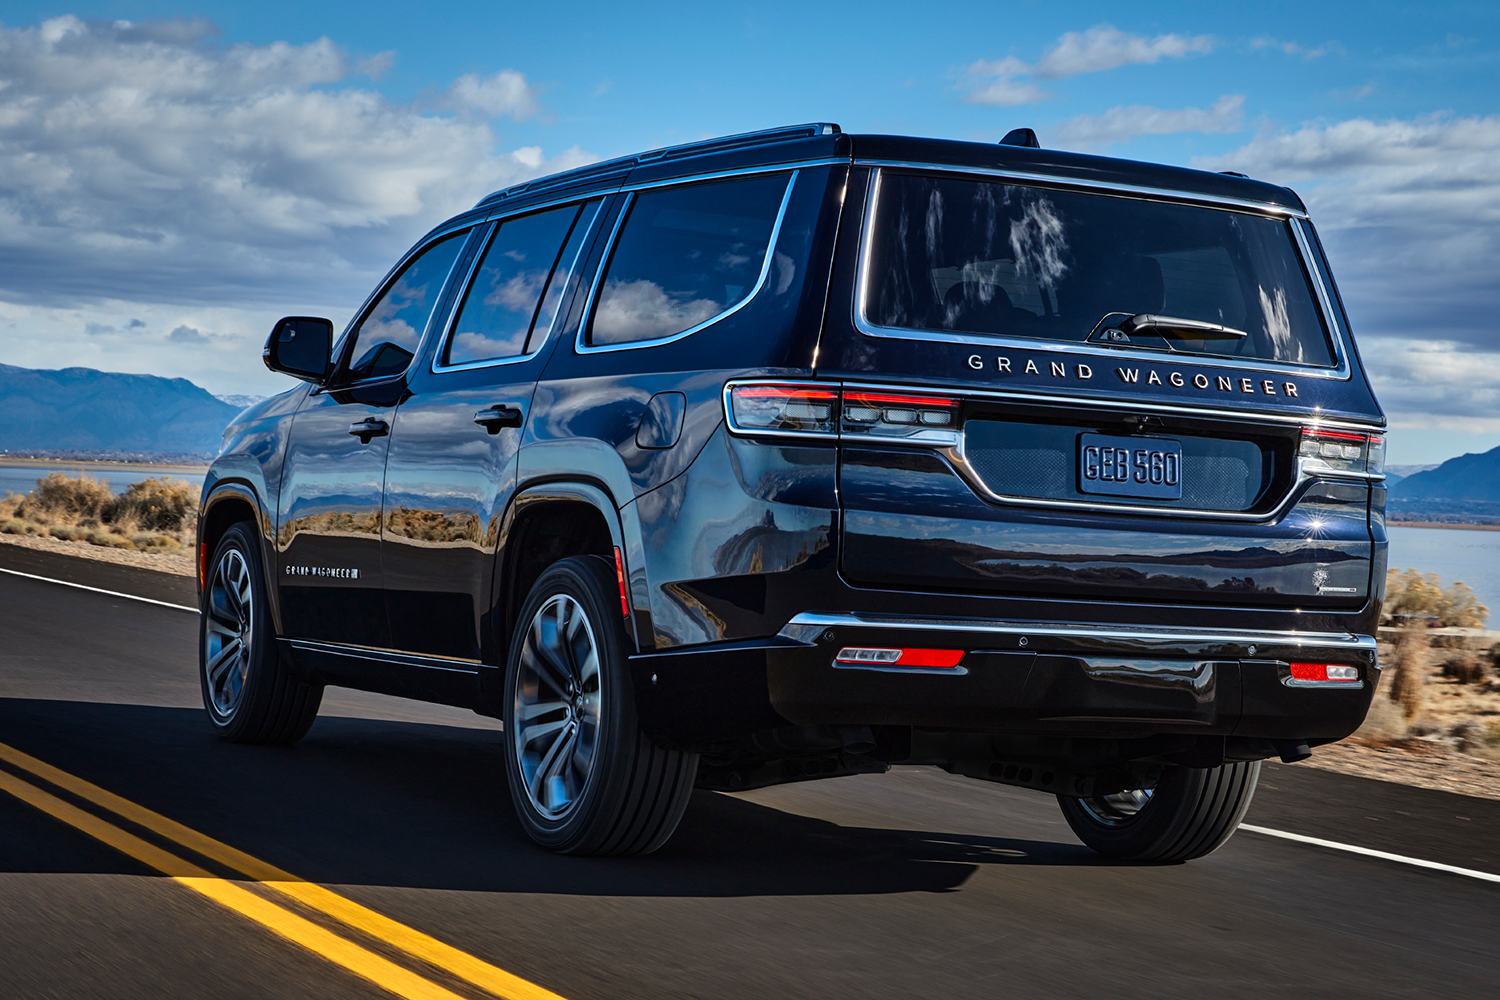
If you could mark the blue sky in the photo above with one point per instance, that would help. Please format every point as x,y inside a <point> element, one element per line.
<point>177,182</point>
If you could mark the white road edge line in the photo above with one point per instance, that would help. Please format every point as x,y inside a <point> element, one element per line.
<point>98,590</point>
<point>1367,852</point>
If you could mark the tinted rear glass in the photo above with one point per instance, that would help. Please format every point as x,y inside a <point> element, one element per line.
<point>685,256</point>
<point>1008,260</point>
<point>500,306</point>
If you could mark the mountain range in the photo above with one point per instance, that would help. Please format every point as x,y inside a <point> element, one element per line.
<point>1462,490</point>
<point>83,409</point>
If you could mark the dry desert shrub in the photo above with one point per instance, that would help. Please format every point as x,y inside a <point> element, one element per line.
<point>63,498</point>
<point>154,505</point>
<point>1467,666</point>
<point>1408,592</point>
<point>1409,681</point>
<point>154,515</point>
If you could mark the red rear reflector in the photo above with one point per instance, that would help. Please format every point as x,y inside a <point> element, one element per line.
<point>1324,672</point>
<point>620,575</point>
<point>880,656</point>
<point>202,564</point>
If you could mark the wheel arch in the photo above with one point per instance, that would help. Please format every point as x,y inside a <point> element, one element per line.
<point>550,521</point>
<point>232,503</point>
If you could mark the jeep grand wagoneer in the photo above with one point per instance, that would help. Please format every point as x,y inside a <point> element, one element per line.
<point>798,454</point>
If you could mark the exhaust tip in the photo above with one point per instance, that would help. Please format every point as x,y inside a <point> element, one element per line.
<point>1292,750</point>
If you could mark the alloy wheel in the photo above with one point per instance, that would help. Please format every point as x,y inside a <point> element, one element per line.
<point>557,704</point>
<point>228,639</point>
<point>1118,808</point>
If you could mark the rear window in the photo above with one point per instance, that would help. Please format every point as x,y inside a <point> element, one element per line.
<point>1007,260</point>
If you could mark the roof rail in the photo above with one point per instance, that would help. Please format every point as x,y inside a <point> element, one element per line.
<point>623,164</point>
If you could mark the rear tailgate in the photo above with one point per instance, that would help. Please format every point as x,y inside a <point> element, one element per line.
<point>1071,445</point>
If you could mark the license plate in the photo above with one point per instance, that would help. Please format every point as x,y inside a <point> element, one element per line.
<point>1130,466</point>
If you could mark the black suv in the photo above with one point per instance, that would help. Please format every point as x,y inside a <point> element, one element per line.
<point>798,454</point>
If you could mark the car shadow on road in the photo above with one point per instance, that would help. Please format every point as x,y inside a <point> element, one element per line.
<point>361,802</point>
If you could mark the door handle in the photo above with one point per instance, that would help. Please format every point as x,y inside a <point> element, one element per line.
<point>497,417</point>
<point>368,428</point>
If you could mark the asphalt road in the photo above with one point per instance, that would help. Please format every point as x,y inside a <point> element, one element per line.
<point>910,884</point>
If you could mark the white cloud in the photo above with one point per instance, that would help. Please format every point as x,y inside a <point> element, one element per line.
<point>1122,123</point>
<point>1410,213</point>
<point>376,66</point>
<point>1006,93</point>
<point>1099,48</point>
<point>504,93</point>
<point>1105,47</point>
<point>147,172</point>
<point>140,163</point>
<point>1296,50</point>
<point>1410,210</point>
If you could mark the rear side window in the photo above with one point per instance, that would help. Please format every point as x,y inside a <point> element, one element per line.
<point>514,295</point>
<point>387,338</point>
<point>686,256</point>
<point>977,257</point>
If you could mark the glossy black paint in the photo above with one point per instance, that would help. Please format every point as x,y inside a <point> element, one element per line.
<point>723,539</point>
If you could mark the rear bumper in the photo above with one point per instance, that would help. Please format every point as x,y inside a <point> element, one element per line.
<point>1099,681</point>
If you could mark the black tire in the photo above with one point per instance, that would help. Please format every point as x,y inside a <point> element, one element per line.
<point>583,778</point>
<point>251,693</point>
<point>1190,814</point>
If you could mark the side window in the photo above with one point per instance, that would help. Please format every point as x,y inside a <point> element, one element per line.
<point>517,286</point>
<point>685,256</point>
<point>387,338</point>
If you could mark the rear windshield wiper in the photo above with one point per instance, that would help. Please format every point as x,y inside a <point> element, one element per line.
<point>1178,328</point>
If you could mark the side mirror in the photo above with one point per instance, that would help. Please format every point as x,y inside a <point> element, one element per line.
<point>299,346</point>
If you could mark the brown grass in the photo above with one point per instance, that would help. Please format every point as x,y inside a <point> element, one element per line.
<point>154,515</point>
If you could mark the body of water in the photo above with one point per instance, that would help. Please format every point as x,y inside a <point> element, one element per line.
<point>1453,554</point>
<point>21,478</point>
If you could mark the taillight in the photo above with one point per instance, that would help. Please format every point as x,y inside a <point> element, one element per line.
<point>821,410</point>
<point>891,415</point>
<point>1342,451</point>
<point>791,410</point>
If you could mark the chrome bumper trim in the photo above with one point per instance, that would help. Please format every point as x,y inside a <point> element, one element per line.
<point>806,626</point>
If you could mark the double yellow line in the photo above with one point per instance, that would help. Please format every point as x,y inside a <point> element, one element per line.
<point>283,921</point>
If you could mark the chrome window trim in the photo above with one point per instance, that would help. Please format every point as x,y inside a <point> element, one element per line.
<point>580,340</point>
<point>381,288</point>
<point>1340,371</point>
<point>499,209</point>
<point>452,321</point>
<point>806,626</point>
<point>1083,184</point>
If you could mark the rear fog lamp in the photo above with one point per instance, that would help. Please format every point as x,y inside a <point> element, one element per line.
<point>879,656</point>
<point>784,409</point>
<point>1324,673</point>
<point>1343,451</point>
